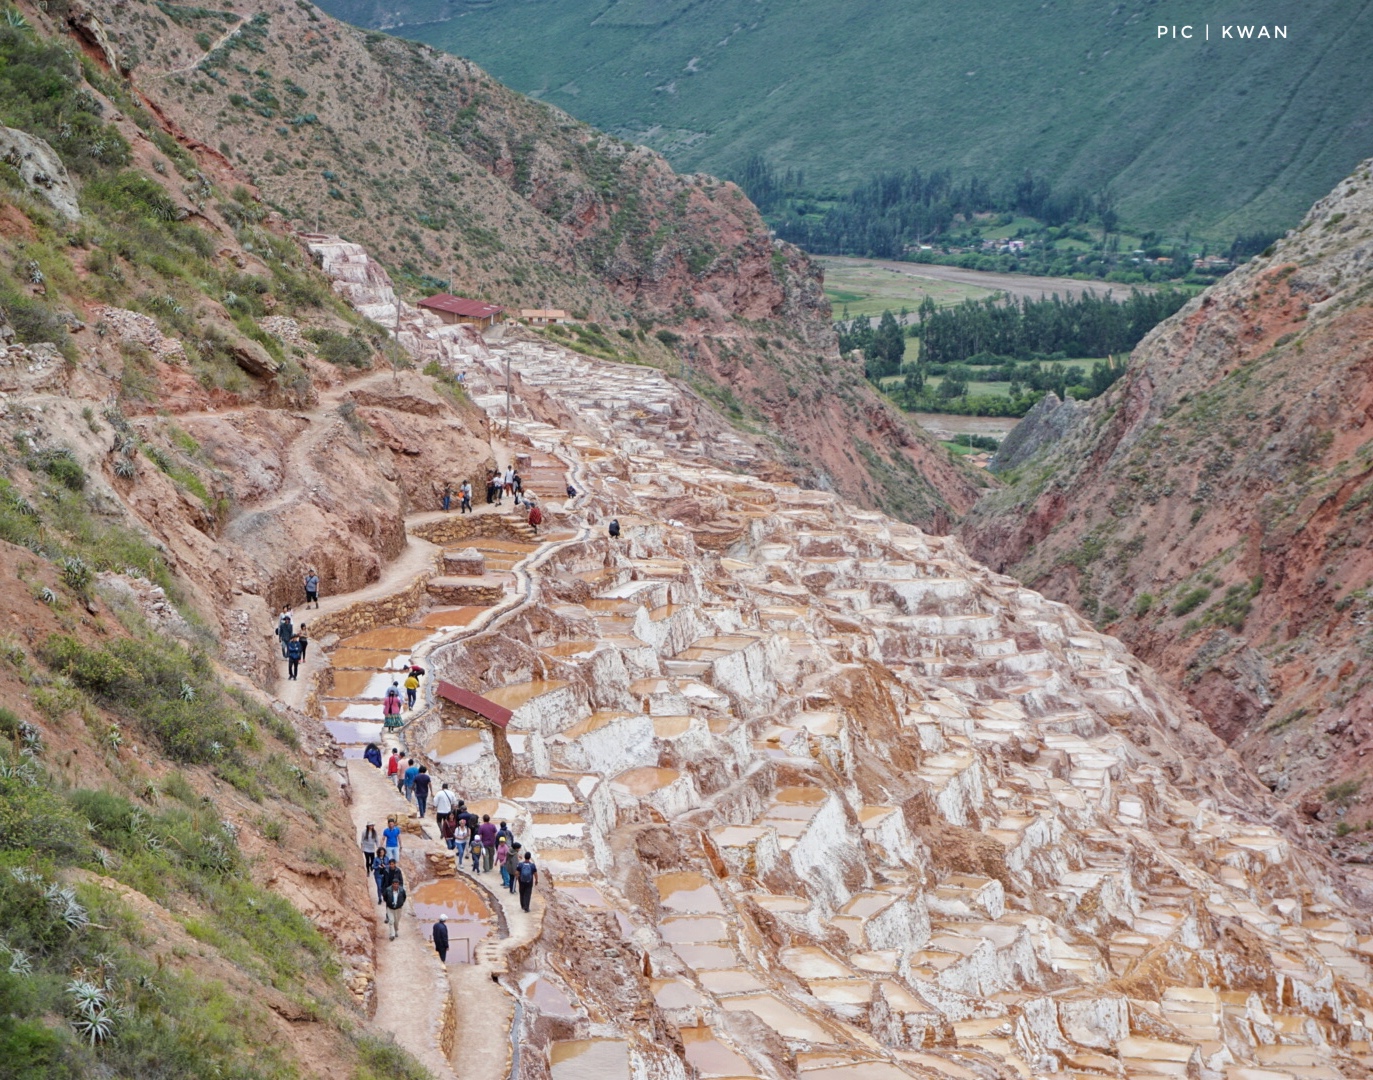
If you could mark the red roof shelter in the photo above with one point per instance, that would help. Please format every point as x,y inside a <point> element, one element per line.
<point>456,309</point>
<point>497,714</point>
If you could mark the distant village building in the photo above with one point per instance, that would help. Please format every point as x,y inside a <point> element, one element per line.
<point>543,316</point>
<point>455,309</point>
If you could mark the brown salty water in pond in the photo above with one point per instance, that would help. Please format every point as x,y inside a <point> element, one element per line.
<point>646,780</point>
<point>710,1056</point>
<point>386,637</point>
<point>456,746</point>
<point>466,911</point>
<point>451,617</point>
<point>517,694</point>
<point>590,1059</point>
<point>688,892</point>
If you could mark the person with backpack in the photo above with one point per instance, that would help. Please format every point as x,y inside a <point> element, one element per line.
<point>421,784</point>
<point>393,767</point>
<point>412,689</point>
<point>293,652</point>
<point>465,507</point>
<point>475,850</point>
<point>440,935</point>
<point>370,843</point>
<point>528,875</point>
<point>535,518</point>
<point>571,492</point>
<point>311,587</point>
<point>394,898</point>
<point>443,804</point>
<point>408,779</point>
<point>390,838</point>
<point>614,528</point>
<point>372,755</point>
<point>510,869</point>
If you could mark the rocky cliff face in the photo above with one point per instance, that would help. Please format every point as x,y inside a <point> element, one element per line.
<point>447,176</point>
<point>1213,508</point>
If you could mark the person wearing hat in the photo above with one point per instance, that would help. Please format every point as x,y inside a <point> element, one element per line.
<point>441,938</point>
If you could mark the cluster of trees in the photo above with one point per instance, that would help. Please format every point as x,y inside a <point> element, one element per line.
<point>893,210</point>
<point>1090,325</point>
<point>929,217</point>
<point>883,346</point>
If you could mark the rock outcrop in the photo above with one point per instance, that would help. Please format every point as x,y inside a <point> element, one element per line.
<point>1213,507</point>
<point>1045,424</point>
<point>40,170</point>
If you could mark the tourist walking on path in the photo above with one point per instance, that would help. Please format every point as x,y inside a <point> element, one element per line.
<point>393,766</point>
<point>285,631</point>
<point>441,938</point>
<point>476,852</point>
<point>311,587</point>
<point>614,528</point>
<point>370,844</point>
<point>466,505</point>
<point>510,869</point>
<point>446,828</point>
<point>443,803</point>
<point>509,480</point>
<point>412,688</point>
<point>421,785</point>
<point>394,898</point>
<point>529,877</point>
<point>535,518</point>
<point>372,755</point>
<point>390,837</point>
<point>293,652</point>
<point>379,876</point>
<point>447,497</point>
<point>408,779</point>
<point>487,832</point>
<point>390,706</point>
<point>502,854</point>
<point>462,836</point>
<point>304,642</point>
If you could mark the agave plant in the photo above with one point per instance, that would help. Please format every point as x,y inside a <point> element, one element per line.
<point>125,469</point>
<point>62,899</point>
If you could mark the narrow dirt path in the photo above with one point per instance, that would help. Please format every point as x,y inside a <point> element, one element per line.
<point>415,993</point>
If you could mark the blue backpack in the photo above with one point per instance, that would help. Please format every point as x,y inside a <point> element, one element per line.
<point>526,872</point>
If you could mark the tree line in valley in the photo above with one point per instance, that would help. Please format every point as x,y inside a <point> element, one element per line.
<point>914,214</point>
<point>1088,325</point>
<point>1024,343</point>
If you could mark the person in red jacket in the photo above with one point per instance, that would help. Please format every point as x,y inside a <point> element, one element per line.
<point>535,517</point>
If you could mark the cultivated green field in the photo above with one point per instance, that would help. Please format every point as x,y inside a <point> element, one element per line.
<point>1220,137</point>
<point>870,289</point>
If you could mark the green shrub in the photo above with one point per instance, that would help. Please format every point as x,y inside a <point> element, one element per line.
<point>1343,791</point>
<point>667,337</point>
<point>1191,600</point>
<point>32,815</point>
<point>1144,603</point>
<point>345,350</point>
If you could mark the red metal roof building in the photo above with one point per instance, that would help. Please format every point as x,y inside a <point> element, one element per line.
<point>456,309</point>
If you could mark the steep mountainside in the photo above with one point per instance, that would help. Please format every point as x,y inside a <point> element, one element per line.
<point>1213,508</point>
<point>443,172</point>
<point>1223,136</point>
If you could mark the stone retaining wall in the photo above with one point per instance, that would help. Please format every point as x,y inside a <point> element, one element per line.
<point>463,592</point>
<point>394,610</point>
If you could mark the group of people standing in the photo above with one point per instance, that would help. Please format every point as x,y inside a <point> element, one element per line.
<point>293,640</point>
<point>480,840</point>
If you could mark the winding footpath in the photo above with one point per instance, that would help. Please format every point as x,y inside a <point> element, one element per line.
<point>420,1001</point>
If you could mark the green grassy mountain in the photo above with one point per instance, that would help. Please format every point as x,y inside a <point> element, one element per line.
<point>1220,137</point>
